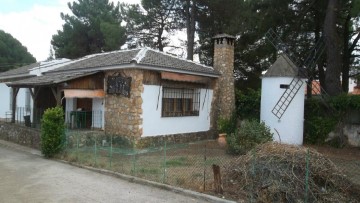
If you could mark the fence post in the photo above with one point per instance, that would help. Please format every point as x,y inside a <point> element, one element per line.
<point>204,183</point>
<point>134,158</point>
<point>110,150</point>
<point>164,172</point>
<point>77,147</point>
<point>253,152</point>
<point>95,153</point>
<point>307,176</point>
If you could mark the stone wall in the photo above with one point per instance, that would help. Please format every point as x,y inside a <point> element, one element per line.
<point>123,114</point>
<point>352,133</point>
<point>20,134</point>
<point>173,139</point>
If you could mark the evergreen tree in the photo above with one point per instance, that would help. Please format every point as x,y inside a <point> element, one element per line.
<point>12,53</point>
<point>93,27</point>
<point>150,24</point>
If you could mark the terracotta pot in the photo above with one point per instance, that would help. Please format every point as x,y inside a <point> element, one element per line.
<point>222,139</point>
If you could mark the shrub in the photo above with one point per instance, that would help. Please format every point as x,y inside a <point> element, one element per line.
<point>227,126</point>
<point>52,131</point>
<point>248,104</point>
<point>321,117</point>
<point>250,133</point>
<point>317,129</point>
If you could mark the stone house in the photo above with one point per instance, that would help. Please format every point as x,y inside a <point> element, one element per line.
<point>140,93</point>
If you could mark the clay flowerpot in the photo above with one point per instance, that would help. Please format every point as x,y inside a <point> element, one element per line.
<point>222,139</point>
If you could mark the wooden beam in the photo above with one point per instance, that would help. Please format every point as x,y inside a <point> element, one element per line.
<point>15,91</point>
<point>57,94</point>
<point>184,77</point>
<point>31,93</point>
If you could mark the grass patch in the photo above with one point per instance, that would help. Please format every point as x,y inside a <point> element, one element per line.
<point>148,170</point>
<point>177,162</point>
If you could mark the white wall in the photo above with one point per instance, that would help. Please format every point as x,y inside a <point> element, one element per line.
<point>98,113</point>
<point>5,100</point>
<point>289,129</point>
<point>155,125</point>
<point>20,102</point>
<point>70,106</point>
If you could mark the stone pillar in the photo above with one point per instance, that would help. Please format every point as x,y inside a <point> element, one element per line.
<point>224,63</point>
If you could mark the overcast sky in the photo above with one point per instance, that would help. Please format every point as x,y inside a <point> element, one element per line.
<point>33,22</point>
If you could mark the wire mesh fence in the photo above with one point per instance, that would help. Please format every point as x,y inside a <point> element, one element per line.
<point>290,175</point>
<point>185,165</point>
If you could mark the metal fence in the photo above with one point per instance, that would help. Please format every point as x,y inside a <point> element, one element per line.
<point>184,165</point>
<point>307,175</point>
<point>31,117</point>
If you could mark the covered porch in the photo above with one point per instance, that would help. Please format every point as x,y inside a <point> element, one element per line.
<point>81,95</point>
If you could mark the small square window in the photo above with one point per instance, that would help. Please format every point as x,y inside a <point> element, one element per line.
<point>284,86</point>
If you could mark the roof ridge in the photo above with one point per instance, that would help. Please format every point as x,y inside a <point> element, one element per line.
<point>190,61</point>
<point>140,55</point>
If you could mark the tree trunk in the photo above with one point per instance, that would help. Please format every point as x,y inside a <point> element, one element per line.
<point>346,56</point>
<point>333,68</point>
<point>190,10</point>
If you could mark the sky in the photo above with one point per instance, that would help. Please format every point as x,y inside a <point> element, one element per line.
<point>33,22</point>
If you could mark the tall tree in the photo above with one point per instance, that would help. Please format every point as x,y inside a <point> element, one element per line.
<point>188,11</point>
<point>12,53</point>
<point>332,39</point>
<point>149,25</point>
<point>351,36</point>
<point>93,27</point>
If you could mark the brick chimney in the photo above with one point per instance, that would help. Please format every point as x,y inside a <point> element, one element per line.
<point>224,63</point>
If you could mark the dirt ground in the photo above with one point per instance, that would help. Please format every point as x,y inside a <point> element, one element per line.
<point>346,153</point>
<point>347,159</point>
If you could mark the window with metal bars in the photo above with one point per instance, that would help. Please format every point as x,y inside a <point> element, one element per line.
<point>178,102</point>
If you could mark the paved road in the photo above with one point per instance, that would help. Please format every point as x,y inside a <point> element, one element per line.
<point>29,178</point>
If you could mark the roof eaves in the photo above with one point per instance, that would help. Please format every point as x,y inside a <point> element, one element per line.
<point>10,77</point>
<point>145,67</point>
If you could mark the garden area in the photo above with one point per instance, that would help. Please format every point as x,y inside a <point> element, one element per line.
<point>252,168</point>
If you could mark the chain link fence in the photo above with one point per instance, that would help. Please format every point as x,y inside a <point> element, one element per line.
<point>292,175</point>
<point>185,165</point>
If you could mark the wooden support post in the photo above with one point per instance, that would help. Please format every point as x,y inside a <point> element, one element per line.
<point>57,94</point>
<point>15,91</point>
<point>31,93</point>
<point>217,179</point>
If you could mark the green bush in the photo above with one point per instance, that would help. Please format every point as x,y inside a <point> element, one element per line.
<point>321,117</point>
<point>52,131</point>
<point>317,129</point>
<point>250,134</point>
<point>248,104</point>
<point>227,126</point>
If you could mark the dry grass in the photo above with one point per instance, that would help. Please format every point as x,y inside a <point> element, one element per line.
<point>282,173</point>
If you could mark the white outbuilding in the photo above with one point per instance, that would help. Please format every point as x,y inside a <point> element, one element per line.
<point>282,101</point>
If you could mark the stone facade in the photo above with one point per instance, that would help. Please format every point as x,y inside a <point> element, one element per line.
<point>224,63</point>
<point>173,139</point>
<point>123,114</point>
<point>20,134</point>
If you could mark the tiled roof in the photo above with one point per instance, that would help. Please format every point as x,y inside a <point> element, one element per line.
<point>283,67</point>
<point>157,58</point>
<point>24,70</point>
<point>100,60</point>
<point>49,79</point>
<point>138,58</point>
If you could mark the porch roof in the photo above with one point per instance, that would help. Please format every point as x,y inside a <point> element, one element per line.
<point>49,79</point>
<point>20,72</point>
